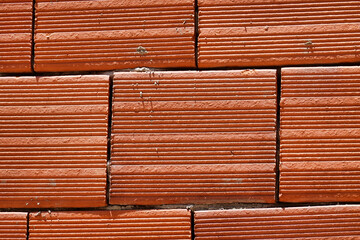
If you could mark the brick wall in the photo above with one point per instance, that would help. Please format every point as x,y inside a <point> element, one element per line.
<point>191,119</point>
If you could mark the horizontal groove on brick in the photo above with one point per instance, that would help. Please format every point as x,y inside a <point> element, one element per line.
<point>185,137</point>
<point>53,141</point>
<point>15,36</point>
<point>260,33</point>
<point>121,225</point>
<point>285,12</point>
<point>325,222</point>
<point>106,35</point>
<point>13,225</point>
<point>320,146</point>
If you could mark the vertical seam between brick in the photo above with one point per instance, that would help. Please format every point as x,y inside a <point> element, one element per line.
<point>27,226</point>
<point>192,222</point>
<point>108,160</point>
<point>277,166</point>
<point>196,32</point>
<point>32,57</point>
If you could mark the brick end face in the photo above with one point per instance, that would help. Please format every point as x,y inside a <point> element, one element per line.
<point>53,141</point>
<point>15,36</point>
<point>245,33</point>
<point>193,137</point>
<point>109,35</point>
<point>324,222</point>
<point>319,134</point>
<point>139,224</point>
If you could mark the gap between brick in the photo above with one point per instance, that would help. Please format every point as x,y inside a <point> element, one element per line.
<point>192,222</point>
<point>277,156</point>
<point>27,226</point>
<point>48,74</point>
<point>111,80</point>
<point>196,32</point>
<point>32,61</point>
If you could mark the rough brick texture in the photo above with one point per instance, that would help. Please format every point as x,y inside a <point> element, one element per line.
<point>330,222</point>
<point>184,131</point>
<point>15,36</point>
<point>193,137</point>
<point>320,146</point>
<point>13,226</point>
<point>107,34</point>
<point>53,141</point>
<point>282,32</point>
<point>119,225</point>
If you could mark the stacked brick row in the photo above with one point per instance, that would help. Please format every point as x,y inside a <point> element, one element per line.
<point>177,125</point>
<point>325,222</point>
<point>106,35</point>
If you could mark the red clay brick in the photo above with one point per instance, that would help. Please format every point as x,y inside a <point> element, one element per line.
<point>120,225</point>
<point>53,141</point>
<point>320,146</point>
<point>107,34</point>
<point>13,225</point>
<point>15,36</point>
<point>325,222</point>
<point>282,32</point>
<point>193,137</point>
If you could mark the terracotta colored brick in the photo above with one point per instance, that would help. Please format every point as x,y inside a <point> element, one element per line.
<point>120,225</point>
<point>15,36</point>
<point>53,141</point>
<point>107,34</point>
<point>193,137</point>
<point>320,146</point>
<point>325,222</point>
<point>282,32</point>
<point>13,225</point>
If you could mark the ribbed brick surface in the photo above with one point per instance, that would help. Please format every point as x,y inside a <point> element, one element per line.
<point>282,32</point>
<point>106,34</point>
<point>15,35</point>
<point>193,137</point>
<point>53,141</point>
<point>13,226</point>
<point>320,146</point>
<point>120,225</point>
<point>330,222</point>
